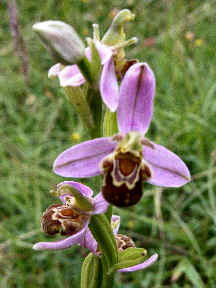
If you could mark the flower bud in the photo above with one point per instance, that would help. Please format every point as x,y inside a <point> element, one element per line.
<point>61,40</point>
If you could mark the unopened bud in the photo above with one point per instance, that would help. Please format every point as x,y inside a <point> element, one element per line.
<point>61,40</point>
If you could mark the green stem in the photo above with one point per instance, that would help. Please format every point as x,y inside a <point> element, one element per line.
<point>102,232</point>
<point>110,125</point>
<point>90,72</point>
<point>109,213</point>
<point>95,103</point>
<point>108,281</point>
<point>85,68</point>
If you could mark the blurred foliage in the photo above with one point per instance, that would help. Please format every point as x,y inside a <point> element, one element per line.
<point>178,40</point>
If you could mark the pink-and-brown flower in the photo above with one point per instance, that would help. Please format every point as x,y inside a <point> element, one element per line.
<point>72,217</point>
<point>129,158</point>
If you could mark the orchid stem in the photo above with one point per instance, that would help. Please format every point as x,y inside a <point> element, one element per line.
<point>108,281</point>
<point>95,103</point>
<point>102,232</point>
<point>85,69</point>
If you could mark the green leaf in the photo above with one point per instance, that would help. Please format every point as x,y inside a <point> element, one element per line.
<point>128,258</point>
<point>186,267</point>
<point>95,63</point>
<point>178,271</point>
<point>90,275</point>
<point>186,230</point>
<point>131,253</point>
<point>192,274</point>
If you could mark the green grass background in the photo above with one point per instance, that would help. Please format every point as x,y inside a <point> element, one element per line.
<point>37,124</point>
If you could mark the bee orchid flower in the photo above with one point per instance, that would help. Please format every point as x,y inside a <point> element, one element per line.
<point>123,242</point>
<point>129,158</point>
<point>72,217</point>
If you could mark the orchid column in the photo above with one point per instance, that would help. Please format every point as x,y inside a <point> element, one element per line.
<point>114,98</point>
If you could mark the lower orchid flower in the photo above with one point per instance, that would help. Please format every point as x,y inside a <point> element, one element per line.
<point>127,159</point>
<point>123,242</point>
<point>72,217</point>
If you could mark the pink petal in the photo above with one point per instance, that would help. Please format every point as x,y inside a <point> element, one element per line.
<point>71,76</point>
<point>167,168</point>
<point>83,160</point>
<point>115,223</point>
<point>141,266</point>
<point>105,52</point>
<point>62,244</point>
<point>89,242</point>
<point>100,204</point>
<point>109,85</point>
<point>136,99</point>
<point>54,70</point>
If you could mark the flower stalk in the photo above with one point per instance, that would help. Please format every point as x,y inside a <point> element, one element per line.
<point>102,232</point>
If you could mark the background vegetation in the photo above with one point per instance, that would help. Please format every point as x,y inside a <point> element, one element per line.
<point>178,40</point>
